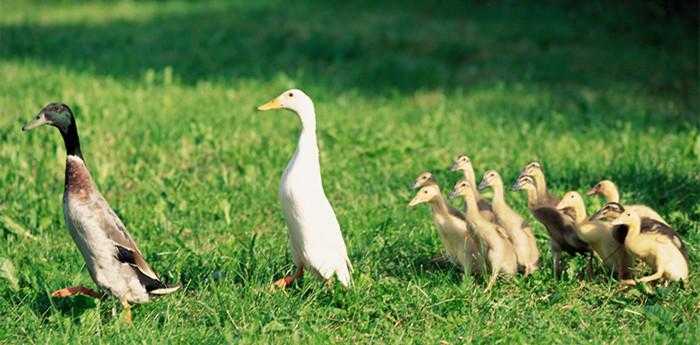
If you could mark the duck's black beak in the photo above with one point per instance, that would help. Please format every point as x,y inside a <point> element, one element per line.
<point>38,121</point>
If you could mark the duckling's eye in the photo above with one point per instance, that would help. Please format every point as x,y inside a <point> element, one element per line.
<point>425,192</point>
<point>291,94</point>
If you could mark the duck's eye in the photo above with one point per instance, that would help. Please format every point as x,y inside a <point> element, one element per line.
<point>425,191</point>
<point>291,94</point>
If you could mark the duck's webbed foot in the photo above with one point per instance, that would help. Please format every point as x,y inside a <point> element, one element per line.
<point>288,280</point>
<point>76,290</point>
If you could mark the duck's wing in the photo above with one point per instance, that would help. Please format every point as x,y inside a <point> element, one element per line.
<point>126,249</point>
<point>652,226</point>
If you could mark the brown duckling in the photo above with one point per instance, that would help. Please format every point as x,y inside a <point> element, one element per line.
<point>462,248</point>
<point>560,226</point>
<point>464,164</point>
<point>516,227</point>
<point>499,250</point>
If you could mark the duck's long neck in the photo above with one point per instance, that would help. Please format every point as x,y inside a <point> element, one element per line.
<point>308,143</point>
<point>611,194</point>
<point>469,176</point>
<point>71,140</point>
<point>531,197</point>
<point>580,210</point>
<point>541,184</point>
<point>439,206</point>
<point>498,198</point>
<point>634,230</point>
<point>472,207</point>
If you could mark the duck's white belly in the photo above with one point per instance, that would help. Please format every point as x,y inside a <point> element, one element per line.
<point>100,252</point>
<point>314,233</point>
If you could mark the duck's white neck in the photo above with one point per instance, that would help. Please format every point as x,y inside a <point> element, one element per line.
<point>307,149</point>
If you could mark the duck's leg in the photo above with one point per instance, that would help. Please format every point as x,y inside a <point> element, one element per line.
<point>127,310</point>
<point>556,262</point>
<point>589,266</point>
<point>494,276</point>
<point>288,280</point>
<point>655,276</point>
<point>76,290</point>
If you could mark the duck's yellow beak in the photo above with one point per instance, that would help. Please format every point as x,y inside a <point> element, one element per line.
<point>273,104</point>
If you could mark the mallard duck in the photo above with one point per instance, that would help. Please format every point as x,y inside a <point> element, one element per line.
<point>518,229</point>
<point>656,246</point>
<point>598,234</point>
<point>560,225</point>
<point>314,233</point>
<point>500,253</point>
<point>461,247</point>
<point>111,255</point>
<point>609,191</point>
<point>464,164</point>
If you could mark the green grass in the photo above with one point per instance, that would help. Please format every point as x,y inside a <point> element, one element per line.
<point>164,95</point>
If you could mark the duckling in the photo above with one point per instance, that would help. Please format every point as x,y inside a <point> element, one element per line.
<point>614,210</point>
<point>516,227</point>
<point>463,163</point>
<point>598,234</point>
<point>560,226</point>
<point>423,179</point>
<point>314,232</point>
<point>462,248</point>
<point>544,197</point>
<point>609,191</point>
<point>500,253</point>
<point>111,255</point>
<point>656,247</point>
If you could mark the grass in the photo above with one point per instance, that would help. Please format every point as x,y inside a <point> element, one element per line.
<point>164,94</point>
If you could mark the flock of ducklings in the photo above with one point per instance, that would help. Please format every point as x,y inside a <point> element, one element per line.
<point>489,237</point>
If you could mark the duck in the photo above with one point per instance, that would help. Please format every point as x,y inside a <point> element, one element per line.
<point>609,191</point>
<point>462,248</point>
<point>111,254</point>
<point>544,197</point>
<point>614,210</point>
<point>560,225</point>
<point>499,250</point>
<point>464,164</point>
<point>598,234</point>
<point>423,179</point>
<point>656,247</point>
<point>314,233</point>
<point>516,227</point>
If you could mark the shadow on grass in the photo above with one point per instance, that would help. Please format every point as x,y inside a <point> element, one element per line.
<point>382,48</point>
<point>74,307</point>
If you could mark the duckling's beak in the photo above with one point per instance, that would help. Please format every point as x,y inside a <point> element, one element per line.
<point>417,185</point>
<point>453,194</point>
<point>454,167</point>
<point>592,191</point>
<point>516,186</point>
<point>273,104</point>
<point>414,202</point>
<point>483,185</point>
<point>38,121</point>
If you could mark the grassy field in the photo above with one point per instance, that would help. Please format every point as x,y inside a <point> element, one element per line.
<point>164,96</point>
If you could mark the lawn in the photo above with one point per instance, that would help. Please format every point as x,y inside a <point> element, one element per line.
<point>164,95</point>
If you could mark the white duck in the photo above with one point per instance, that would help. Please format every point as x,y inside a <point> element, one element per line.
<point>314,233</point>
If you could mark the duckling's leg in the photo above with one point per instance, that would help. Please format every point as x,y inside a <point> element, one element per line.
<point>659,273</point>
<point>288,280</point>
<point>589,266</point>
<point>76,290</point>
<point>127,310</point>
<point>494,276</point>
<point>556,262</point>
